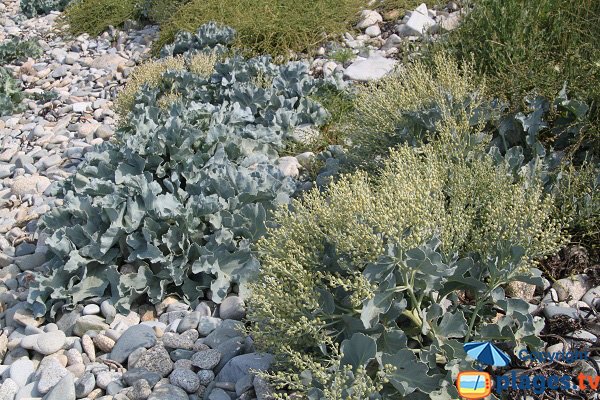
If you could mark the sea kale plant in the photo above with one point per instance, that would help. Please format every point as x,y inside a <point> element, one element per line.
<point>11,95</point>
<point>369,288</point>
<point>173,205</point>
<point>32,8</point>
<point>15,49</point>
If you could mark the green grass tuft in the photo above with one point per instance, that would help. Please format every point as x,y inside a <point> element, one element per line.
<point>276,27</point>
<point>522,45</point>
<point>95,16</point>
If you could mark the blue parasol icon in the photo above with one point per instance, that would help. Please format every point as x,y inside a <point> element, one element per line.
<point>487,353</point>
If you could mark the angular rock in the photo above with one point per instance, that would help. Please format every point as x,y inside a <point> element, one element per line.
<point>50,375</point>
<point>89,323</point>
<point>157,360</point>
<point>372,68</point>
<point>233,307</point>
<point>572,288</point>
<point>241,365</point>
<point>64,390</point>
<point>206,359</point>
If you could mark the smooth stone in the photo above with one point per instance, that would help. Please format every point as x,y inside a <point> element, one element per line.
<point>28,391</point>
<point>140,390</point>
<point>204,310</point>
<point>29,185</point>
<point>21,372</point>
<point>51,342</point>
<point>136,337</point>
<point>91,309</point>
<point>181,354</point>
<point>244,384</point>
<point>185,379</point>
<point>182,364</point>
<point>135,374</point>
<point>8,390</point>
<point>232,307</point>
<point>104,132</point>
<point>221,335</point>
<point>104,378</point>
<point>64,390</point>
<point>551,311</point>
<point>50,375</point>
<point>108,310</point>
<point>175,341</point>
<point>85,384</point>
<point>169,392</point>
<point>206,376</point>
<point>241,365</point>
<point>229,349</point>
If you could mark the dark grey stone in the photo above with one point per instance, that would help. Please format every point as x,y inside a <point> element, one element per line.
<point>168,392</point>
<point>229,349</point>
<point>136,337</point>
<point>133,375</point>
<point>64,390</point>
<point>190,321</point>
<point>241,365</point>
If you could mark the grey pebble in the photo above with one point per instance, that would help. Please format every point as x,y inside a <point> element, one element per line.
<point>84,385</point>
<point>185,379</point>
<point>206,359</point>
<point>169,392</point>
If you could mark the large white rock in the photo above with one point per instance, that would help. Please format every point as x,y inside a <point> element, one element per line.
<point>289,166</point>
<point>369,18</point>
<point>29,185</point>
<point>420,22</point>
<point>369,69</point>
<point>108,62</point>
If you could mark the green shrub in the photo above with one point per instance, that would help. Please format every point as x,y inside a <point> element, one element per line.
<point>275,27</point>
<point>95,16</point>
<point>11,96</point>
<point>149,73</point>
<point>173,205</point>
<point>578,200</point>
<point>16,49</point>
<point>354,272</point>
<point>523,45</point>
<point>32,8</point>
<point>162,10</point>
<point>386,112</point>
